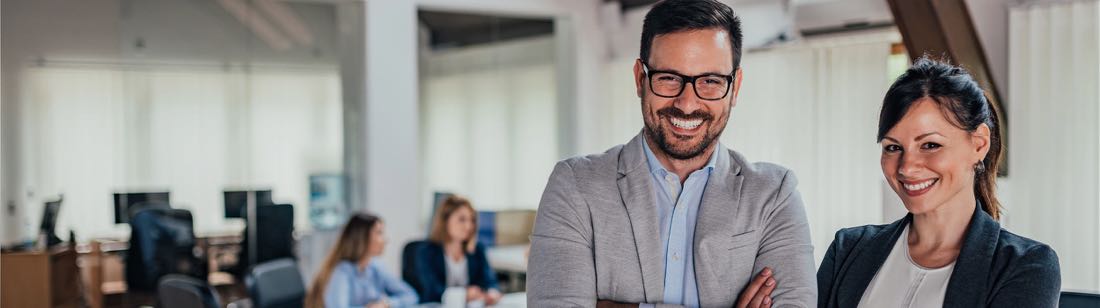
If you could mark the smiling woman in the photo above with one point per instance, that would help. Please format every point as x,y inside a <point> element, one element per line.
<point>941,96</point>
<point>940,150</point>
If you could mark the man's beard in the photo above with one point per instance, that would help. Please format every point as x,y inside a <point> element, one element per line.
<point>656,132</point>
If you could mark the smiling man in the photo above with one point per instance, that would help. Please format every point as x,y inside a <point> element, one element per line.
<point>673,217</point>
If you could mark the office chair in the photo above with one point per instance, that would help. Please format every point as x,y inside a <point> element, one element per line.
<point>162,242</point>
<point>1079,300</point>
<point>276,284</point>
<point>179,291</point>
<point>408,264</point>
<point>274,236</point>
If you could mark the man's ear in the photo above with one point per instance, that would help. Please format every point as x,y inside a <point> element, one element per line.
<point>639,78</point>
<point>736,88</point>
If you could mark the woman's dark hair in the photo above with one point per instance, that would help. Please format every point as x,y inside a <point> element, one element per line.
<point>963,102</point>
<point>681,15</point>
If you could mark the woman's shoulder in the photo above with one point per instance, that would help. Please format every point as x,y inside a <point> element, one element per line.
<point>429,246</point>
<point>480,248</point>
<point>847,238</point>
<point>1020,250</point>
<point>344,269</point>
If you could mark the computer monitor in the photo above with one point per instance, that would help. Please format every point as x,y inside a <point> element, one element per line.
<point>236,201</point>
<point>126,202</point>
<point>49,222</point>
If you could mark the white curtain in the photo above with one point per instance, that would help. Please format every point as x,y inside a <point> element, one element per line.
<point>811,107</point>
<point>489,123</point>
<point>814,108</point>
<point>1053,154</point>
<point>93,131</point>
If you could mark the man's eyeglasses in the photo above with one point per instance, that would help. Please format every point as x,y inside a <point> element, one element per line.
<point>670,84</point>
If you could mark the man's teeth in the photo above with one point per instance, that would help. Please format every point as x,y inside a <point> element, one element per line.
<point>686,124</point>
<point>919,186</point>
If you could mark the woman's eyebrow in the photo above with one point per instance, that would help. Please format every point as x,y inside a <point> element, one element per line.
<point>927,134</point>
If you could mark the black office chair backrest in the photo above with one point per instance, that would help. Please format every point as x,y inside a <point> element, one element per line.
<point>169,234</point>
<point>274,236</point>
<point>1079,300</point>
<point>408,264</point>
<point>179,291</point>
<point>276,284</point>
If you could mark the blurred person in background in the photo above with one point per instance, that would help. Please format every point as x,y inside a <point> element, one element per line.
<point>452,257</point>
<point>352,277</point>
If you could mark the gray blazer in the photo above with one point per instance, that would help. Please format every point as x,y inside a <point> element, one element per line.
<point>596,235</point>
<point>995,268</point>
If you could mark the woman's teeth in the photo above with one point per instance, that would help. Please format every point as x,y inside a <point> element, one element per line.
<point>919,186</point>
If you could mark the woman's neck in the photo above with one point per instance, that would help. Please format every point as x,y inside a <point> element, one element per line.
<point>454,250</point>
<point>363,263</point>
<point>936,237</point>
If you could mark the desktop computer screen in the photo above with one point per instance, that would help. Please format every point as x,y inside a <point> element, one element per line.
<point>49,222</point>
<point>126,202</point>
<point>236,201</point>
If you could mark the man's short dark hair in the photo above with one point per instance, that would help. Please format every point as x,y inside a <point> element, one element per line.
<point>682,15</point>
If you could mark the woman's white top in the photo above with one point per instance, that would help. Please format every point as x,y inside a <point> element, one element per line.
<point>900,282</point>
<point>457,272</point>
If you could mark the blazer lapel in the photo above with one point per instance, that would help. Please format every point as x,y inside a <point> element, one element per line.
<point>635,188</point>
<point>718,209</point>
<point>860,268</point>
<point>969,284</point>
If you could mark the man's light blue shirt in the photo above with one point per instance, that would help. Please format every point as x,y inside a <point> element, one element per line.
<point>677,209</point>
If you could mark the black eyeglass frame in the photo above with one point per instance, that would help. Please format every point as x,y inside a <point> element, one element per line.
<point>685,79</point>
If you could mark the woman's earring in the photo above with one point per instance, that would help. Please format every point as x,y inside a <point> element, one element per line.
<point>980,166</point>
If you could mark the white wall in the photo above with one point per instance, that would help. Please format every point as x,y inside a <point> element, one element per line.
<point>392,169</point>
<point>489,122</point>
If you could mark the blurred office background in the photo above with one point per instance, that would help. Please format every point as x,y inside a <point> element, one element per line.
<point>330,107</point>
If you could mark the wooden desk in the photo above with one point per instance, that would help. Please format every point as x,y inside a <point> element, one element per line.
<point>104,269</point>
<point>40,278</point>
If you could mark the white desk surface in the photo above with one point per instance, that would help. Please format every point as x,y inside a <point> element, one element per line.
<point>512,258</point>
<point>510,300</point>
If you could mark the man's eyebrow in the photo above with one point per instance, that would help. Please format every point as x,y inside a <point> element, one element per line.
<point>660,70</point>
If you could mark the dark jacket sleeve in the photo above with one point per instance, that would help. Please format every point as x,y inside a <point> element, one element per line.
<point>481,274</point>
<point>826,273</point>
<point>1033,281</point>
<point>432,278</point>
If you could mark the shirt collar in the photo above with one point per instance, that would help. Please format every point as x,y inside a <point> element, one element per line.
<point>655,166</point>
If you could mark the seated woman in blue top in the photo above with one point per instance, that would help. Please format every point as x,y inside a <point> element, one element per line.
<point>941,146</point>
<point>350,277</point>
<point>453,258</point>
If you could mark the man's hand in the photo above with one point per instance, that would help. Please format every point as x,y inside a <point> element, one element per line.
<point>758,292</point>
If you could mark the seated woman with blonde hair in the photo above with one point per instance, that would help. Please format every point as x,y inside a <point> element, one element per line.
<point>453,258</point>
